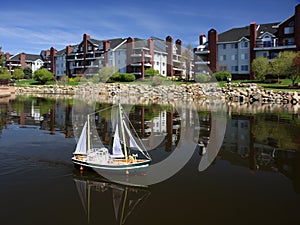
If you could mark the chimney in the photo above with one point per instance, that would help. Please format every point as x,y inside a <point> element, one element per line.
<point>202,39</point>
<point>253,36</point>
<point>106,47</point>
<point>23,60</point>
<point>129,51</point>
<point>213,50</point>
<point>7,56</point>
<point>151,48</point>
<point>179,46</point>
<point>69,49</point>
<point>52,60</point>
<point>169,42</point>
<point>86,37</point>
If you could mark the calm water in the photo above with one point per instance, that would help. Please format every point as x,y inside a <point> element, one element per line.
<point>254,178</point>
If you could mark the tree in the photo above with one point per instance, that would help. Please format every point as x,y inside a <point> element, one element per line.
<point>43,76</point>
<point>4,74</point>
<point>18,73</point>
<point>2,58</point>
<point>296,62</point>
<point>260,68</point>
<point>27,72</point>
<point>284,66</point>
<point>104,74</point>
<point>187,58</point>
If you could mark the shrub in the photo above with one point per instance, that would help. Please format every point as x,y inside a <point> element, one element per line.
<point>43,76</point>
<point>222,76</point>
<point>202,77</point>
<point>75,79</point>
<point>4,74</point>
<point>151,72</point>
<point>122,77</point>
<point>18,74</point>
<point>127,77</point>
<point>27,72</point>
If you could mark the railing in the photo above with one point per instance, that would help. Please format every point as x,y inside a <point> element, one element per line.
<point>273,44</point>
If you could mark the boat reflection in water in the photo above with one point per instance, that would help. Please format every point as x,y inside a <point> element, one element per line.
<point>95,192</point>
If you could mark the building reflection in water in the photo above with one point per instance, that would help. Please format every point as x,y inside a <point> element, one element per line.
<point>48,114</point>
<point>246,145</point>
<point>266,142</point>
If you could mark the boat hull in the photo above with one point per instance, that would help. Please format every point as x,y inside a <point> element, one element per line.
<point>139,164</point>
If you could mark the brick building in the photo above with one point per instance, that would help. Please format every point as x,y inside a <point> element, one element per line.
<point>235,49</point>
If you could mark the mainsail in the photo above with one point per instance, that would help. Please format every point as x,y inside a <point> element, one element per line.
<point>81,145</point>
<point>117,148</point>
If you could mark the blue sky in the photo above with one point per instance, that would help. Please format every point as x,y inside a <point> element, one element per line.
<point>30,26</point>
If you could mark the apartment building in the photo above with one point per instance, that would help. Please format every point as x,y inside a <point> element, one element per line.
<point>23,60</point>
<point>235,49</point>
<point>127,55</point>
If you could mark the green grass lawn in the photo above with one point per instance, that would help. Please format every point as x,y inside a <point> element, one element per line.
<point>284,84</point>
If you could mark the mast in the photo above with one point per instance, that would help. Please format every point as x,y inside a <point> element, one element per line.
<point>123,133</point>
<point>88,133</point>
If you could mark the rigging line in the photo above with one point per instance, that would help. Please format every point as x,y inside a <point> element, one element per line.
<point>101,110</point>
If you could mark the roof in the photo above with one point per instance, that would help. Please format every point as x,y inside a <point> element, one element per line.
<point>61,52</point>
<point>236,34</point>
<point>115,42</point>
<point>28,57</point>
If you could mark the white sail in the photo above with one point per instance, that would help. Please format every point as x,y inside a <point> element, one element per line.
<point>132,142</point>
<point>117,148</point>
<point>81,145</point>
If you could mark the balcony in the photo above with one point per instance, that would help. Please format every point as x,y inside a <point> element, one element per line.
<point>202,62</point>
<point>136,55</point>
<point>77,66</point>
<point>274,45</point>
<point>136,64</point>
<point>202,52</point>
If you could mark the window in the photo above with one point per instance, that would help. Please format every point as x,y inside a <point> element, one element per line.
<point>244,56</point>
<point>289,41</point>
<point>222,57</point>
<point>244,67</point>
<point>234,57</point>
<point>234,45</point>
<point>244,44</point>
<point>234,68</point>
<point>224,46</point>
<point>288,30</point>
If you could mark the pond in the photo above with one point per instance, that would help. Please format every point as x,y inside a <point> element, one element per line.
<point>240,165</point>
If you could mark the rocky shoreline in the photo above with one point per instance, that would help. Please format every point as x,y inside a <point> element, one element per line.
<point>240,93</point>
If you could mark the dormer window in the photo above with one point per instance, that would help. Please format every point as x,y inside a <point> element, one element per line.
<point>244,44</point>
<point>267,41</point>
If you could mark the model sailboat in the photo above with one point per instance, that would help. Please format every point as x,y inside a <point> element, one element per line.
<point>121,157</point>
